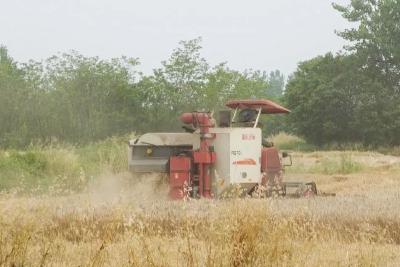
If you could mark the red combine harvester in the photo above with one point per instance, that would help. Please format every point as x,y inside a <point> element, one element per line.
<point>210,160</point>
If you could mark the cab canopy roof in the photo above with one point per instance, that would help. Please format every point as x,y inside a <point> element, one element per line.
<point>267,106</point>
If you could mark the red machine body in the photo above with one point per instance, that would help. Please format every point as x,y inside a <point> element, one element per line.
<point>203,158</point>
<point>180,168</point>
<point>271,168</point>
<point>270,161</point>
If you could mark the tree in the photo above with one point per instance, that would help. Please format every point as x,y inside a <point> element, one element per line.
<point>78,99</point>
<point>353,96</point>
<point>14,97</point>
<point>276,84</point>
<point>333,100</point>
<point>186,82</point>
<point>375,40</point>
<point>184,76</point>
<point>90,98</point>
<point>376,37</point>
<point>321,110</point>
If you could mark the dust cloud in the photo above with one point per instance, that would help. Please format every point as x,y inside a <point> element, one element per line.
<point>110,188</point>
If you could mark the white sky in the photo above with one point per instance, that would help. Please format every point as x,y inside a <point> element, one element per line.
<point>256,34</point>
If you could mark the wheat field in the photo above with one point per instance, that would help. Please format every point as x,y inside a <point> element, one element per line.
<point>121,220</point>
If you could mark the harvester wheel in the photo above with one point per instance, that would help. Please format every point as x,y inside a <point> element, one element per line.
<point>275,191</point>
<point>258,191</point>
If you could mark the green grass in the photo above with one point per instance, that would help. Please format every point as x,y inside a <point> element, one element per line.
<point>60,167</point>
<point>327,163</point>
<point>344,165</point>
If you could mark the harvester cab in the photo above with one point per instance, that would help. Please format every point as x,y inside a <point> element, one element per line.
<point>212,159</point>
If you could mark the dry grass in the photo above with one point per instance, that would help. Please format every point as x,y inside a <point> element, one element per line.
<point>117,223</point>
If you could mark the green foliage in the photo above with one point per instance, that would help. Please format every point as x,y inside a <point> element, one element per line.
<point>355,97</point>
<point>89,98</point>
<point>29,161</point>
<point>377,34</point>
<point>61,168</point>
<point>187,82</point>
<point>68,97</point>
<point>107,155</point>
<point>345,165</point>
<point>76,99</point>
<point>322,95</point>
<point>36,169</point>
<point>276,84</point>
<point>224,84</point>
<point>14,96</point>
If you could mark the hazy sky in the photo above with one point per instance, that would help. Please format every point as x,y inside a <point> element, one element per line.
<point>257,34</point>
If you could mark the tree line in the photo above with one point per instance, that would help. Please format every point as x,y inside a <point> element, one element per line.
<point>77,99</point>
<point>354,96</point>
<point>349,97</point>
